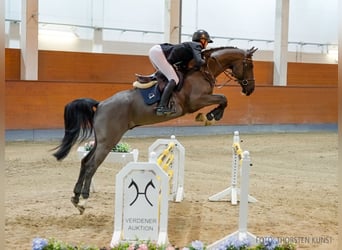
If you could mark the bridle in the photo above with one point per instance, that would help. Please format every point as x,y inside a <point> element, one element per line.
<point>228,73</point>
<point>244,81</point>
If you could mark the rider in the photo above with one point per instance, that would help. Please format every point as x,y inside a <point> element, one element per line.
<point>163,56</point>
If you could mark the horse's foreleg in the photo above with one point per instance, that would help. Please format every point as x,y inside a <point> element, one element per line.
<point>215,114</point>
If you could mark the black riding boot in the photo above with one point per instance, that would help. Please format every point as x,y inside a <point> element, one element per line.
<point>162,108</point>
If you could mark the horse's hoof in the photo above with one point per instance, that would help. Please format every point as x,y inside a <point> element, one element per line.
<point>81,209</point>
<point>199,117</point>
<point>76,202</point>
<point>210,116</point>
<point>209,123</point>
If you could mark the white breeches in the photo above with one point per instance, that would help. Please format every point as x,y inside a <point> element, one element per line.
<point>159,62</point>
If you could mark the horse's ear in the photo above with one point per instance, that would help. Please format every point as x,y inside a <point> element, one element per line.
<point>251,51</point>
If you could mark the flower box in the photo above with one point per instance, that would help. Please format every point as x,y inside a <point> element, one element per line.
<point>113,157</point>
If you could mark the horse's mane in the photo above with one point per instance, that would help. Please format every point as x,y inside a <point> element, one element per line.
<point>208,52</point>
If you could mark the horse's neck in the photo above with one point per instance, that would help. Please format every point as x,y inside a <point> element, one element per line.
<point>224,59</point>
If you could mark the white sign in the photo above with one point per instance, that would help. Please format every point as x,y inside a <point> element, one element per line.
<point>141,204</point>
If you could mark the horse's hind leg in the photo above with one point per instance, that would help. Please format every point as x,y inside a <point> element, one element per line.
<point>103,144</point>
<point>100,154</point>
<point>89,166</point>
<point>108,130</point>
<point>85,163</point>
<point>79,183</point>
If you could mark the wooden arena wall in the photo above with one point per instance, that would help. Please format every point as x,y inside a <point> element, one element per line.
<point>309,98</point>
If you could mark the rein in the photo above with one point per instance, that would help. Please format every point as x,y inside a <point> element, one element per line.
<point>212,79</point>
<point>230,78</point>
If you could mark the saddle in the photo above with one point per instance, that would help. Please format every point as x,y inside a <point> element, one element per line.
<point>148,81</point>
<point>146,78</point>
<point>151,86</point>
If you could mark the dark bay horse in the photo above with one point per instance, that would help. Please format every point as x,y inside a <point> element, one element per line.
<point>110,119</point>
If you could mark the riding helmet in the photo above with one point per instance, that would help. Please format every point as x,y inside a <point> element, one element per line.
<point>201,34</point>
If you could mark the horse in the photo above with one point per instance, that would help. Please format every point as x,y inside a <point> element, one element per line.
<point>110,119</point>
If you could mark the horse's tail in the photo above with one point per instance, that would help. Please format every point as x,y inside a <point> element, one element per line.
<point>78,123</point>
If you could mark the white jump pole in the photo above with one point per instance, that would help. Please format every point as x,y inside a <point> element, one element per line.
<point>244,198</point>
<point>233,191</point>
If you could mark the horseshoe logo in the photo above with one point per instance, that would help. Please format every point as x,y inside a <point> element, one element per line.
<point>134,184</point>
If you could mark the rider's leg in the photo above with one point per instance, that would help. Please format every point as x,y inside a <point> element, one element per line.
<point>159,61</point>
<point>163,108</point>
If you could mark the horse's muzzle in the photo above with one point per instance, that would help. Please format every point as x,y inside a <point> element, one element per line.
<point>250,91</point>
<point>247,86</point>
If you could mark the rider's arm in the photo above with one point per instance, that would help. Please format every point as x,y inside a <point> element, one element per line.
<point>196,51</point>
